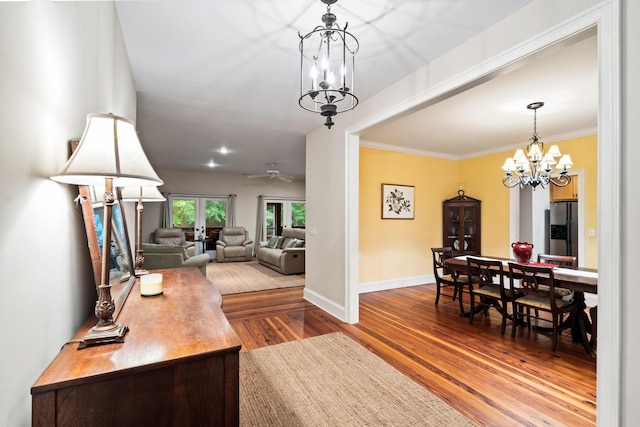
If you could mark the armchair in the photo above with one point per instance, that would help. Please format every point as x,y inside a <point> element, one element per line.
<point>172,256</point>
<point>172,236</point>
<point>234,245</point>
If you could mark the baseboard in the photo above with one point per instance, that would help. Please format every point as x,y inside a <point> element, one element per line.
<point>402,282</point>
<point>325,304</point>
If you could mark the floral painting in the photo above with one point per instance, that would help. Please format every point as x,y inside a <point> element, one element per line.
<point>397,201</point>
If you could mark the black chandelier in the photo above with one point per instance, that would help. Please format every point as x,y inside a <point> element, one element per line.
<point>327,59</point>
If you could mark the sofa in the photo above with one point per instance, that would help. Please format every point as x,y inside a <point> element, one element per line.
<point>234,244</point>
<point>284,254</point>
<point>173,236</point>
<point>172,256</point>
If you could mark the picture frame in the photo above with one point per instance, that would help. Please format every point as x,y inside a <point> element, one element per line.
<point>398,201</point>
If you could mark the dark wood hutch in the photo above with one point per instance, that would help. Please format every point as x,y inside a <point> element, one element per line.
<point>461,224</point>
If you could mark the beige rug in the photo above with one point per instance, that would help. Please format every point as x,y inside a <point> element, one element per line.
<point>331,380</point>
<point>237,277</point>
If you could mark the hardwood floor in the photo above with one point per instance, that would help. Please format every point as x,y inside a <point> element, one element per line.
<point>493,379</point>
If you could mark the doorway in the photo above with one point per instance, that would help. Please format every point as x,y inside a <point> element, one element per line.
<point>528,216</point>
<point>608,203</point>
<point>273,216</point>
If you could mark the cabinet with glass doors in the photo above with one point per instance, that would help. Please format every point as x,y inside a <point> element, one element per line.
<point>461,224</point>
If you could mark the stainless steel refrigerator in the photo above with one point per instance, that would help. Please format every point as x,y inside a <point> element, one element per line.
<point>563,228</point>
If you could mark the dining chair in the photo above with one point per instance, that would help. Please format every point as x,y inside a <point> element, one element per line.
<point>569,261</point>
<point>445,277</point>
<point>486,283</point>
<point>530,281</point>
<point>566,261</point>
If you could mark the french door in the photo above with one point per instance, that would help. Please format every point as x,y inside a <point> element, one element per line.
<point>199,217</point>
<point>281,214</point>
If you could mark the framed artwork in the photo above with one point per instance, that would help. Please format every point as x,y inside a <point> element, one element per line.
<point>398,201</point>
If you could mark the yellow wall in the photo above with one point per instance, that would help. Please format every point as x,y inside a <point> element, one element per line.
<point>481,178</point>
<point>480,175</point>
<point>392,249</point>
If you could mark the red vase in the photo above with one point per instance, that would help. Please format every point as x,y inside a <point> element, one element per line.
<point>522,251</point>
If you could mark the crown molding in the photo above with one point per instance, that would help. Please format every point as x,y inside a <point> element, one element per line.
<point>407,150</point>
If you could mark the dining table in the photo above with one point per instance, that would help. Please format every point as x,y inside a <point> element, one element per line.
<point>578,280</point>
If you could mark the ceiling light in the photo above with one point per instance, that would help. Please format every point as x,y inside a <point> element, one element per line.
<point>327,59</point>
<point>211,164</point>
<point>535,168</point>
<point>223,150</point>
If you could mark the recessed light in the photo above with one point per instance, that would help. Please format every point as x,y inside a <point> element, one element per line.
<point>211,164</point>
<point>223,150</point>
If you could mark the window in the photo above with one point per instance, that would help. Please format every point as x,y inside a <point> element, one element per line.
<point>298,215</point>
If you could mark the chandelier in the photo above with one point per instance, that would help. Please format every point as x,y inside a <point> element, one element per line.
<point>327,59</point>
<point>536,167</point>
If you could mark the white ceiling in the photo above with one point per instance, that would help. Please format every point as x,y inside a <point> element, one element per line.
<point>493,115</point>
<point>214,74</point>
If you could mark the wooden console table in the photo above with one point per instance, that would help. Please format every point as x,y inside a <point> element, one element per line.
<point>178,365</point>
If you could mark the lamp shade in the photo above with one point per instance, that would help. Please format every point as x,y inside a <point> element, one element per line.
<point>145,194</point>
<point>109,148</point>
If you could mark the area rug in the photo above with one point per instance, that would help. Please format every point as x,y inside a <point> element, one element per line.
<point>237,277</point>
<point>331,380</point>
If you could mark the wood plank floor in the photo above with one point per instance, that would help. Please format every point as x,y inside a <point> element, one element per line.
<point>493,379</point>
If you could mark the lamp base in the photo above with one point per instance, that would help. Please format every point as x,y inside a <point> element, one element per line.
<point>141,272</point>
<point>99,335</point>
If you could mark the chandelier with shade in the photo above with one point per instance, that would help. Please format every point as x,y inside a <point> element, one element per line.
<point>327,60</point>
<point>537,167</point>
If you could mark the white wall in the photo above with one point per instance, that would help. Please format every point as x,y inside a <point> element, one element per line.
<point>526,212</point>
<point>630,250</point>
<point>532,219</point>
<point>539,204</point>
<point>215,184</point>
<point>326,214</point>
<point>53,54</point>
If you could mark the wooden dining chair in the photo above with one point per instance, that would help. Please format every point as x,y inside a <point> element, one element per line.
<point>445,277</point>
<point>486,283</point>
<point>566,261</point>
<point>531,281</point>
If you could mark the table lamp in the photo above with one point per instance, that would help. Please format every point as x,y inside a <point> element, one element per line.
<point>140,194</point>
<point>109,154</point>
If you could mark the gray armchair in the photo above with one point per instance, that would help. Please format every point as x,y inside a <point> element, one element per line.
<point>172,256</point>
<point>234,245</point>
<point>173,236</point>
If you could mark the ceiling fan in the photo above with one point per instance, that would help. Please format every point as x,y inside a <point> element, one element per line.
<point>272,173</point>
